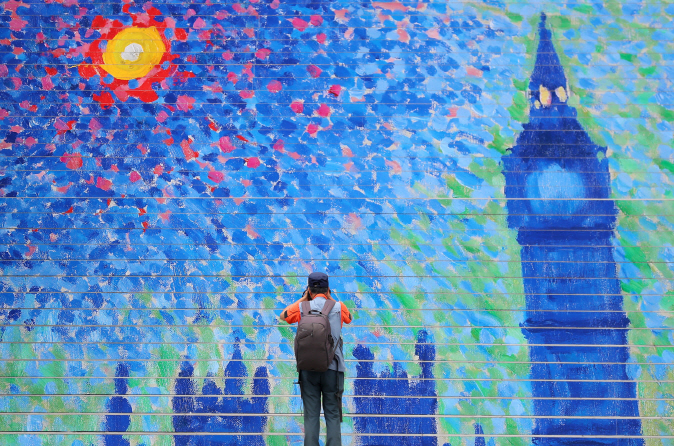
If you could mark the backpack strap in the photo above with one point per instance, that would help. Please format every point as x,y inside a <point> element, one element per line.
<point>306,308</point>
<point>327,306</point>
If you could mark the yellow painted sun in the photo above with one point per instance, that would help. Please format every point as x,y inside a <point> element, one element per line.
<point>133,52</point>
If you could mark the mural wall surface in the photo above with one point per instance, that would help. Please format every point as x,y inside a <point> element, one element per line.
<point>489,185</point>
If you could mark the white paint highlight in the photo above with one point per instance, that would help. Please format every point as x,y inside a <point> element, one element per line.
<point>132,52</point>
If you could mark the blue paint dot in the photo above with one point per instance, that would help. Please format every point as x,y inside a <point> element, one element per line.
<point>108,79</point>
<point>133,84</point>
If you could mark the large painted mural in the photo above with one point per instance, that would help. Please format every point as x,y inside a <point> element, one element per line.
<point>488,184</point>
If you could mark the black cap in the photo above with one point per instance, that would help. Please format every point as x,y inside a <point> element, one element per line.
<point>318,280</point>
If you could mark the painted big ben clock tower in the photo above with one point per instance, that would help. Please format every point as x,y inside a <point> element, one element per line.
<point>558,191</point>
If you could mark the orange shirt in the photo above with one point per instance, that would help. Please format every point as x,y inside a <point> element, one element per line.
<point>293,313</point>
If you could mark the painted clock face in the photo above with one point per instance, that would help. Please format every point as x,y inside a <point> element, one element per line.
<point>554,190</point>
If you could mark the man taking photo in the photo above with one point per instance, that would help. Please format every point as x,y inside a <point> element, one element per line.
<point>320,357</point>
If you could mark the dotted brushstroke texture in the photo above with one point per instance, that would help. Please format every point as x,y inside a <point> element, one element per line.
<point>358,138</point>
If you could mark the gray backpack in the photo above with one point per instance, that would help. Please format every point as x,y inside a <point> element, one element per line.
<point>314,344</point>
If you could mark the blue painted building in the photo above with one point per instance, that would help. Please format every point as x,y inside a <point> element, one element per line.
<point>411,405</point>
<point>558,190</point>
<point>212,409</point>
<point>118,405</point>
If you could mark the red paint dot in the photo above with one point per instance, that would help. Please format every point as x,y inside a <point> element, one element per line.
<point>226,144</point>
<point>73,161</point>
<point>180,34</point>
<point>274,86</point>
<point>253,162</point>
<point>335,90</point>
<point>323,111</point>
<point>297,106</point>
<point>279,146</point>
<point>262,53</point>
<point>299,24</point>
<point>314,71</point>
<point>216,176</point>
<point>104,184</point>
<point>105,99</point>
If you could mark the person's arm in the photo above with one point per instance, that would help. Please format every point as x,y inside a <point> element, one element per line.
<point>289,309</point>
<point>346,315</point>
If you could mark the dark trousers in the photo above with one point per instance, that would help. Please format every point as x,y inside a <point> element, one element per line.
<point>330,385</point>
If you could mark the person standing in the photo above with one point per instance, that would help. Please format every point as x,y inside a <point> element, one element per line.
<point>328,384</point>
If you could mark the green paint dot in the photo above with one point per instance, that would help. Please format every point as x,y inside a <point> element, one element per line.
<point>514,17</point>
<point>628,57</point>
<point>647,71</point>
<point>584,9</point>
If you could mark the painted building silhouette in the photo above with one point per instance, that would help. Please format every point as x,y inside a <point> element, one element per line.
<point>118,405</point>
<point>211,409</point>
<point>558,190</point>
<point>411,403</point>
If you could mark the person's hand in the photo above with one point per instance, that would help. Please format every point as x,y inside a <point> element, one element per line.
<point>305,295</point>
